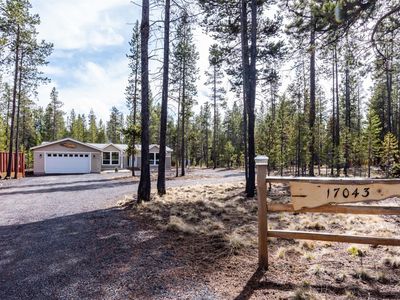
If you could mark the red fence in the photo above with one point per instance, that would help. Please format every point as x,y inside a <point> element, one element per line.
<point>4,163</point>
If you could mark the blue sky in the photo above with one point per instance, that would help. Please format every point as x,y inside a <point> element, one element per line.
<point>89,67</point>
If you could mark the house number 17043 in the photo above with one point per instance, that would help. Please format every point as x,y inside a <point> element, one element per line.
<point>346,193</point>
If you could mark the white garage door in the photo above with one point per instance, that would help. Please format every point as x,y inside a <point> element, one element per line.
<point>67,163</point>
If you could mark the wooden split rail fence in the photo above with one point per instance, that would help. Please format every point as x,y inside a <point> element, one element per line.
<point>322,195</point>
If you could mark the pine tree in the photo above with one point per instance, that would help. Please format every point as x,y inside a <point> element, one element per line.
<point>390,153</point>
<point>133,88</point>
<point>101,133</point>
<point>92,131</point>
<point>54,124</point>
<point>217,96</point>
<point>184,61</point>
<point>115,126</point>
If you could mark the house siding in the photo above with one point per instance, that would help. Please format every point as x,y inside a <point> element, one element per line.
<point>38,163</point>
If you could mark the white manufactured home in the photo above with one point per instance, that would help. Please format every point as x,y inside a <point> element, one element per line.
<point>69,156</point>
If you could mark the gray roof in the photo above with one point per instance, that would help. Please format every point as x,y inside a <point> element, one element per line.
<point>124,147</point>
<point>121,147</point>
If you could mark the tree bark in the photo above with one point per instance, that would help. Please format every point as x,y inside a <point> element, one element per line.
<point>251,101</point>
<point>8,119</point>
<point>347,118</point>
<point>183,104</point>
<point>16,69</point>
<point>134,119</point>
<point>311,120</point>
<point>164,105</point>
<point>337,125</point>
<point>145,183</point>
<point>215,119</point>
<point>16,162</point>
<point>333,116</point>
<point>246,87</point>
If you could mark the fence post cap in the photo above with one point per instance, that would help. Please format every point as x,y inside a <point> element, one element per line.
<point>261,160</point>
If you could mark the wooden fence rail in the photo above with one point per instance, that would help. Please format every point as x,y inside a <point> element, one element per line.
<point>4,164</point>
<point>322,195</point>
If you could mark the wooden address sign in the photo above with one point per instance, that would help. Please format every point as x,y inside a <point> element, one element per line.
<point>68,145</point>
<point>314,194</point>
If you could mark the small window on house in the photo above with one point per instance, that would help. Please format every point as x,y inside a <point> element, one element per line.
<point>151,159</point>
<point>81,155</point>
<point>76,155</point>
<point>86,155</point>
<point>48,155</point>
<point>106,158</point>
<point>71,155</point>
<point>54,155</point>
<point>60,155</point>
<point>157,158</point>
<point>65,155</point>
<point>115,158</point>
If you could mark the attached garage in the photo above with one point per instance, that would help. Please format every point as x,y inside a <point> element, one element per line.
<point>66,156</point>
<point>67,163</point>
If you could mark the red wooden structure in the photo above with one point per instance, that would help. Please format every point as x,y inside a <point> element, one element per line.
<point>4,162</point>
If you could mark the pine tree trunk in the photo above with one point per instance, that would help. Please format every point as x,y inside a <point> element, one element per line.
<point>298,143</point>
<point>215,119</point>
<point>319,137</point>
<point>206,152</point>
<point>16,162</point>
<point>388,72</point>
<point>246,153</point>
<point>145,183</point>
<point>311,121</point>
<point>8,119</point>
<point>14,100</point>
<point>252,100</point>
<point>164,105</point>
<point>333,155</point>
<point>246,87</point>
<point>347,119</point>
<point>134,119</point>
<point>183,165</point>
<point>337,135</point>
<point>177,146</point>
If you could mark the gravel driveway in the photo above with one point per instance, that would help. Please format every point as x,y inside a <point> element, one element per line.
<point>62,237</point>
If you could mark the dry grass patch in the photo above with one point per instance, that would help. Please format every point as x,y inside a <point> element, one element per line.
<point>220,213</point>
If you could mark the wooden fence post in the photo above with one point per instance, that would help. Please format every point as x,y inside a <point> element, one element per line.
<point>261,164</point>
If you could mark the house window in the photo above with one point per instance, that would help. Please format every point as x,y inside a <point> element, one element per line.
<point>154,159</point>
<point>106,158</point>
<point>115,158</point>
<point>110,158</point>
<point>151,159</point>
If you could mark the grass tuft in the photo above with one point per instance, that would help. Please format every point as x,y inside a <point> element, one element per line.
<point>177,224</point>
<point>391,262</point>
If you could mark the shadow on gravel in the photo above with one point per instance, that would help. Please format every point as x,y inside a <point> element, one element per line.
<point>74,188</point>
<point>98,255</point>
<point>241,174</point>
<point>61,183</point>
